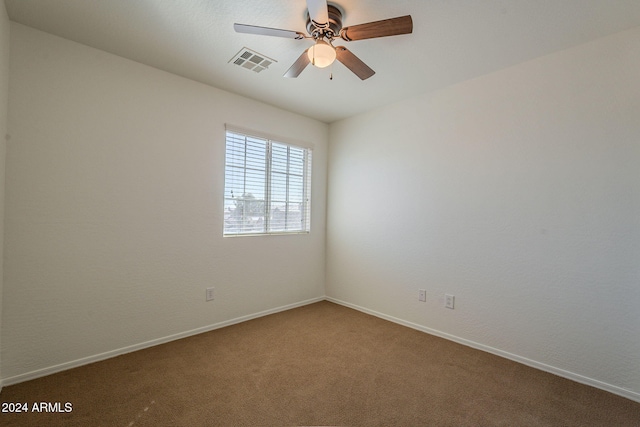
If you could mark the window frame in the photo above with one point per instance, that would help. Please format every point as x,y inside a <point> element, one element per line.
<point>268,196</point>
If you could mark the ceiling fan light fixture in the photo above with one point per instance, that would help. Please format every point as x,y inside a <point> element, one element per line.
<point>321,54</point>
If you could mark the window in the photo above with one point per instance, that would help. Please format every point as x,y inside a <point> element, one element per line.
<point>267,186</point>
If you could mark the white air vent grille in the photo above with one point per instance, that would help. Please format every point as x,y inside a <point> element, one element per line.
<point>251,60</point>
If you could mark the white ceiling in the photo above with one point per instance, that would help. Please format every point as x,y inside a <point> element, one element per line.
<point>452,41</point>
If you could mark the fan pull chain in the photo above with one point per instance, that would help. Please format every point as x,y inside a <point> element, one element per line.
<point>331,71</point>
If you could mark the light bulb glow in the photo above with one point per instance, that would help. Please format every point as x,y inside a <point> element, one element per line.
<point>321,54</point>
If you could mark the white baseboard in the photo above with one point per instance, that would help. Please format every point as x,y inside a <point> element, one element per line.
<point>629,394</point>
<point>113,353</point>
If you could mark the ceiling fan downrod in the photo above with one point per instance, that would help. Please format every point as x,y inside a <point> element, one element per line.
<point>329,30</point>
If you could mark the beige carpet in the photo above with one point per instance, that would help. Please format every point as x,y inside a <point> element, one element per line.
<point>321,364</point>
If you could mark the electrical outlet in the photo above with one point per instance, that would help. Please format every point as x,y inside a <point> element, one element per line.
<point>210,294</point>
<point>449,301</point>
<point>422,295</point>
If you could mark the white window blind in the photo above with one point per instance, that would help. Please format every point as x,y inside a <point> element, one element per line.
<point>267,186</point>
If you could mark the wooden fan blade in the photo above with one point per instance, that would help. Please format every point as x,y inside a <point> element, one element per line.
<point>318,12</point>
<point>384,28</point>
<point>298,66</point>
<point>264,31</point>
<point>353,63</point>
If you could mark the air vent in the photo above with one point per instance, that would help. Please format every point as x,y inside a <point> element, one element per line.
<point>251,60</point>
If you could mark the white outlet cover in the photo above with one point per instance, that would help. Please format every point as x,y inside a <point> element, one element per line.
<point>449,301</point>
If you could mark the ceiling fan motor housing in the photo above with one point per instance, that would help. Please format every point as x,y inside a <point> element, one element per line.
<point>333,27</point>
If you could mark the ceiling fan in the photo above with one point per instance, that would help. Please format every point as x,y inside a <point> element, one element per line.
<point>324,25</point>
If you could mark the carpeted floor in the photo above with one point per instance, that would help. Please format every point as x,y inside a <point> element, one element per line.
<point>322,364</point>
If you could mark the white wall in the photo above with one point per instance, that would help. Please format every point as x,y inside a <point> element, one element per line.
<point>519,193</point>
<point>4,96</point>
<point>114,209</point>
